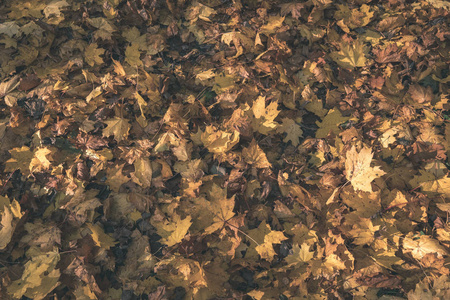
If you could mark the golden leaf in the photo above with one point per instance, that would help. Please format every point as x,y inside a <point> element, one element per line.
<point>92,54</point>
<point>40,162</point>
<point>255,156</point>
<point>218,141</point>
<point>266,250</point>
<point>429,183</point>
<point>9,215</point>
<point>263,117</point>
<point>173,231</point>
<point>119,127</point>
<point>221,208</point>
<point>100,238</point>
<point>274,23</point>
<point>133,36</point>
<point>351,55</point>
<point>240,41</point>
<point>132,55</point>
<point>292,129</point>
<point>104,28</point>
<point>358,169</point>
<point>39,278</point>
<point>300,254</point>
<point>331,123</point>
<point>20,159</point>
<point>422,245</point>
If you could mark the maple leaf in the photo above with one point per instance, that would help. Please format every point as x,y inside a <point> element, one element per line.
<point>300,254</point>
<point>52,11</point>
<point>421,95</point>
<point>218,141</point>
<point>274,23</point>
<point>100,238</point>
<point>92,54</point>
<point>20,159</point>
<point>104,28</point>
<point>39,278</point>
<point>358,169</point>
<point>363,232</point>
<point>132,55</point>
<point>255,156</point>
<point>40,161</point>
<point>10,28</point>
<point>221,208</point>
<point>419,246</point>
<point>266,250</point>
<point>389,54</point>
<point>429,183</point>
<point>263,117</point>
<point>293,131</point>
<point>10,213</point>
<point>44,235</point>
<point>133,36</point>
<point>173,231</point>
<point>119,127</point>
<point>351,56</point>
<point>265,238</point>
<point>331,123</point>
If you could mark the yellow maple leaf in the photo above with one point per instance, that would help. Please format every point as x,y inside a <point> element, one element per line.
<point>331,123</point>
<point>20,159</point>
<point>119,127</point>
<point>100,238</point>
<point>218,141</point>
<point>292,129</point>
<point>263,117</point>
<point>300,254</point>
<point>92,54</point>
<point>173,231</point>
<point>133,36</point>
<point>255,156</point>
<point>363,232</point>
<point>351,55</point>
<point>274,23</point>
<point>419,246</point>
<point>40,161</point>
<point>132,55</point>
<point>358,169</point>
<point>266,250</point>
<point>429,183</point>
<point>39,278</point>
<point>9,216</point>
<point>220,207</point>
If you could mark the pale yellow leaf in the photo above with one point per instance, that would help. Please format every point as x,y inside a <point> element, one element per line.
<point>358,169</point>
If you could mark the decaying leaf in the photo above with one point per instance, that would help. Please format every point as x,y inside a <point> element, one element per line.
<point>224,149</point>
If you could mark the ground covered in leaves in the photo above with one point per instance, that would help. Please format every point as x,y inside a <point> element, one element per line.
<point>215,149</point>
